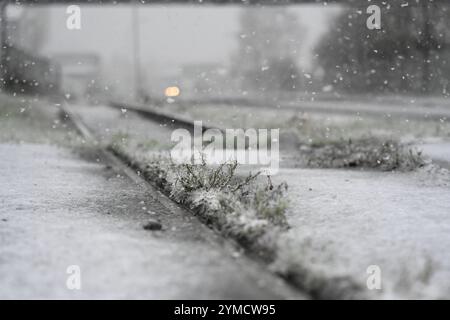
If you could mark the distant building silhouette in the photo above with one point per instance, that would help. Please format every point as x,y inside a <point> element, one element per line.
<point>80,73</point>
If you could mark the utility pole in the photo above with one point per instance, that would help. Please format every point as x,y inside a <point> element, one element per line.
<point>428,43</point>
<point>135,24</point>
<point>426,48</point>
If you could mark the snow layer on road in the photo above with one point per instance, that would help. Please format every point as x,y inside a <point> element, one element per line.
<point>57,210</point>
<point>438,151</point>
<point>344,221</point>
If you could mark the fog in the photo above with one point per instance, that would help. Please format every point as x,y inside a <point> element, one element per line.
<point>170,36</point>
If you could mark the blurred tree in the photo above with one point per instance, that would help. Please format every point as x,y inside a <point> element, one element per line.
<point>409,54</point>
<point>269,45</point>
<point>30,30</point>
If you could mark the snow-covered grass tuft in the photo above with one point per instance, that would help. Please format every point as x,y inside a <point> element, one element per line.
<point>201,176</point>
<point>238,205</point>
<point>385,155</point>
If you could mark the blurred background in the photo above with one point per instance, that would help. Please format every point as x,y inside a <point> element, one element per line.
<point>292,52</point>
<point>311,69</point>
<point>206,51</point>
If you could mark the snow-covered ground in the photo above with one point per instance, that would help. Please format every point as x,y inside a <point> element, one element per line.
<point>345,221</point>
<point>110,124</point>
<point>439,151</point>
<point>58,210</point>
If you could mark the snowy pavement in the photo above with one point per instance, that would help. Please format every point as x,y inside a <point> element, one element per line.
<point>107,122</point>
<point>438,151</point>
<point>344,221</point>
<point>58,210</point>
